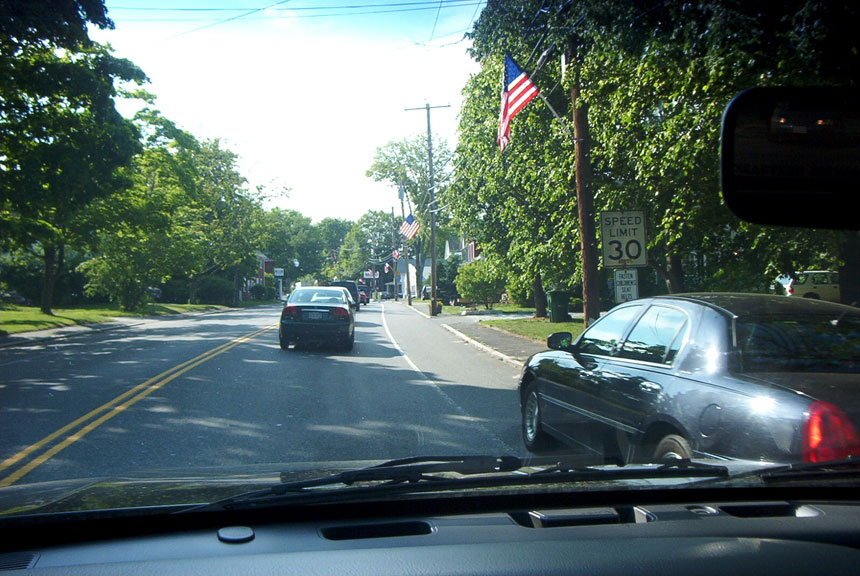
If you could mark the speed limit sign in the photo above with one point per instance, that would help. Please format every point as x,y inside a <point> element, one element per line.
<point>623,236</point>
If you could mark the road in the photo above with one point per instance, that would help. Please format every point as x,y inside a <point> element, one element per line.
<point>215,391</point>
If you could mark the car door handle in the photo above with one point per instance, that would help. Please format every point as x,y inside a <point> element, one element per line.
<point>650,387</point>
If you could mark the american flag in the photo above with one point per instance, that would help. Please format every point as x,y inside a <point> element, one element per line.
<point>409,228</point>
<point>517,91</point>
<point>396,254</point>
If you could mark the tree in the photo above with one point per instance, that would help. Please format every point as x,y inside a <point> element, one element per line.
<point>367,242</point>
<point>63,145</point>
<point>332,233</point>
<point>406,163</point>
<point>292,242</point>
<point>480,281</point>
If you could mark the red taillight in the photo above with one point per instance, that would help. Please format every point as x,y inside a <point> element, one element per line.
<point>789,290</point>
<point>341,312</point>
<point>828,434</point>
<point>290,312</point>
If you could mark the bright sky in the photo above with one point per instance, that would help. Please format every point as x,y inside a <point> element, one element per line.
<point>304,91</point>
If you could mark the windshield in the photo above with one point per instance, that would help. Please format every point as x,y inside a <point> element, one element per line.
<point>181,181</point>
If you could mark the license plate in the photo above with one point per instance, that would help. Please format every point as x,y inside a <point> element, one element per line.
<point>315,315</point>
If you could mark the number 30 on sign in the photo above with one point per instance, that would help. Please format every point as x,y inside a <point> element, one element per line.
<point>623,236</point>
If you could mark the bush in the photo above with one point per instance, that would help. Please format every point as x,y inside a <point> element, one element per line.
<point>480,282</point>
<point>575,305</point>
<point>258,292</point>
<point>214,290</point>
<point>175,291</point>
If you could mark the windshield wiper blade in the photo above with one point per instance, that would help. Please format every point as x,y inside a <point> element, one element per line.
<point>417,474</point>
<point>389,473</point>
<point>830,469</point>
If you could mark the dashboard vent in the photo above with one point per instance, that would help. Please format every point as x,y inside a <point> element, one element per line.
<point>18,560</point>
<point>583,517</point>
<point>362,531</point>
<point>779,510</point>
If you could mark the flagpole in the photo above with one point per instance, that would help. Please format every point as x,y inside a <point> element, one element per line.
<point>405,246</point>
<point>394,246</point>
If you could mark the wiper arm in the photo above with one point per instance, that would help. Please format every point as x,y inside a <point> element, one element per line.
<point>669,468</point>
<point>812,470</point>
<point>392,472</point>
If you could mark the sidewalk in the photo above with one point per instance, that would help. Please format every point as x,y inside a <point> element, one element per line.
<point>516,348</point>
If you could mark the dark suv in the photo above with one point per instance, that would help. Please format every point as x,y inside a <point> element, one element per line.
<point>352,286</point>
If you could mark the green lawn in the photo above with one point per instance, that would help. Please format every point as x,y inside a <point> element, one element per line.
<point>15,319</point>
<point>536,329</point>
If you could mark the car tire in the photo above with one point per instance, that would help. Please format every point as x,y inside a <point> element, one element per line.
<point>812,296</point>
<point>284,343</point>
<point>349,342</point>
<point>534,438</point>
<point>673,446</point>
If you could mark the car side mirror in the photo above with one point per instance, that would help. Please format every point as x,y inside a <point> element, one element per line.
<point>559,340</point>
<point>791,156</point>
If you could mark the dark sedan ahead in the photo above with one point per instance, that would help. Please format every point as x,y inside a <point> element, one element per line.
<point>745,376</point>
<point>318,315</point>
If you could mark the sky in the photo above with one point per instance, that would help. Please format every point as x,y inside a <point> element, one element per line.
<point>304,91</point>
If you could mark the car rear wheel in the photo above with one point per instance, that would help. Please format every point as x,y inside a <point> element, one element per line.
<point>535,439</point>
<point>673,446</point>
<point>284,343</point>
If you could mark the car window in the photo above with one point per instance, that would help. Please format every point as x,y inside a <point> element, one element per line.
<point>812,342</point>
<point>657,336</point>
<point>602,338</point>
<point>820,279</point>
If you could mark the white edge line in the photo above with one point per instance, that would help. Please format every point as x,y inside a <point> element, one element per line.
<point>436,386</point>
<point>484,347</point>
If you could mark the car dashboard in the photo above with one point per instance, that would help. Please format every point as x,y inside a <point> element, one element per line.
<point>423,537</point>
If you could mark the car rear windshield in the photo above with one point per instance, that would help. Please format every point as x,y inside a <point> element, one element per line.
<point>778,343</point>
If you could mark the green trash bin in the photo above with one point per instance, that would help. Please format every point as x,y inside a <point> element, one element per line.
<point>557,302</point>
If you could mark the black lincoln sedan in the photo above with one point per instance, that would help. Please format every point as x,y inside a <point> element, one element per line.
<point>745,376</point>
<point>318,315</point>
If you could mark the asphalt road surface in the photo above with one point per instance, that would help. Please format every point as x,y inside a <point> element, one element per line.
<point>216,392</point>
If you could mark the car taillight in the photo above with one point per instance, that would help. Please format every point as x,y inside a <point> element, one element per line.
<point>789,290</point>
<point>290,312</point>
<point>828,434</point>
<point>341,312</point>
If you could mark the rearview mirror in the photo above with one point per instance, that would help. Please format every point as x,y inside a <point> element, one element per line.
<point>559,340</point>
<point>791,156</point>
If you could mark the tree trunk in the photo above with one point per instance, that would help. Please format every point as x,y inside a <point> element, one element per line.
<point>53,259</point>
<point>585,204</point>
<point>849,273</point>
<point>236,285</point>
<point>540,297</point>
<point>674,274</point>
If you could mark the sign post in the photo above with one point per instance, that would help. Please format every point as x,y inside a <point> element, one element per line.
<point>279,274</point>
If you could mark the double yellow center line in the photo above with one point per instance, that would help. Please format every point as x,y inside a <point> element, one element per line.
<point>95,418</point>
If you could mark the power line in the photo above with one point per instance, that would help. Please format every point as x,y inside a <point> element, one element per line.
<point>433,31</point>
<point>230,19</point>
<point>453,3</point>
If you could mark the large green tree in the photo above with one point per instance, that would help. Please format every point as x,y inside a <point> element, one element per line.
<point>655,79</point>
<point>406,164</point>
<point>63,145</point>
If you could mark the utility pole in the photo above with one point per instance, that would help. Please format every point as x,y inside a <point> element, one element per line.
<point>432,205</point>
<point>405,246</point>
<point>585,203</point>
<point>394,247</point>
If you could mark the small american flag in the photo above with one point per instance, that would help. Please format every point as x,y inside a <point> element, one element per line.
<point>409,228</point>
<point>396,254</point>
<point>517,91</point>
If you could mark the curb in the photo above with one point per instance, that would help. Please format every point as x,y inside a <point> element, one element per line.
<point>484,347</point>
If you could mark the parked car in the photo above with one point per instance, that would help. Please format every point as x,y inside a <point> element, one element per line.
<point>352,286</point>
<point>425,293</point>
<point>815,284</point>
<point>363,294</point>
<point>318,314</point>
<point>746,376</point>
